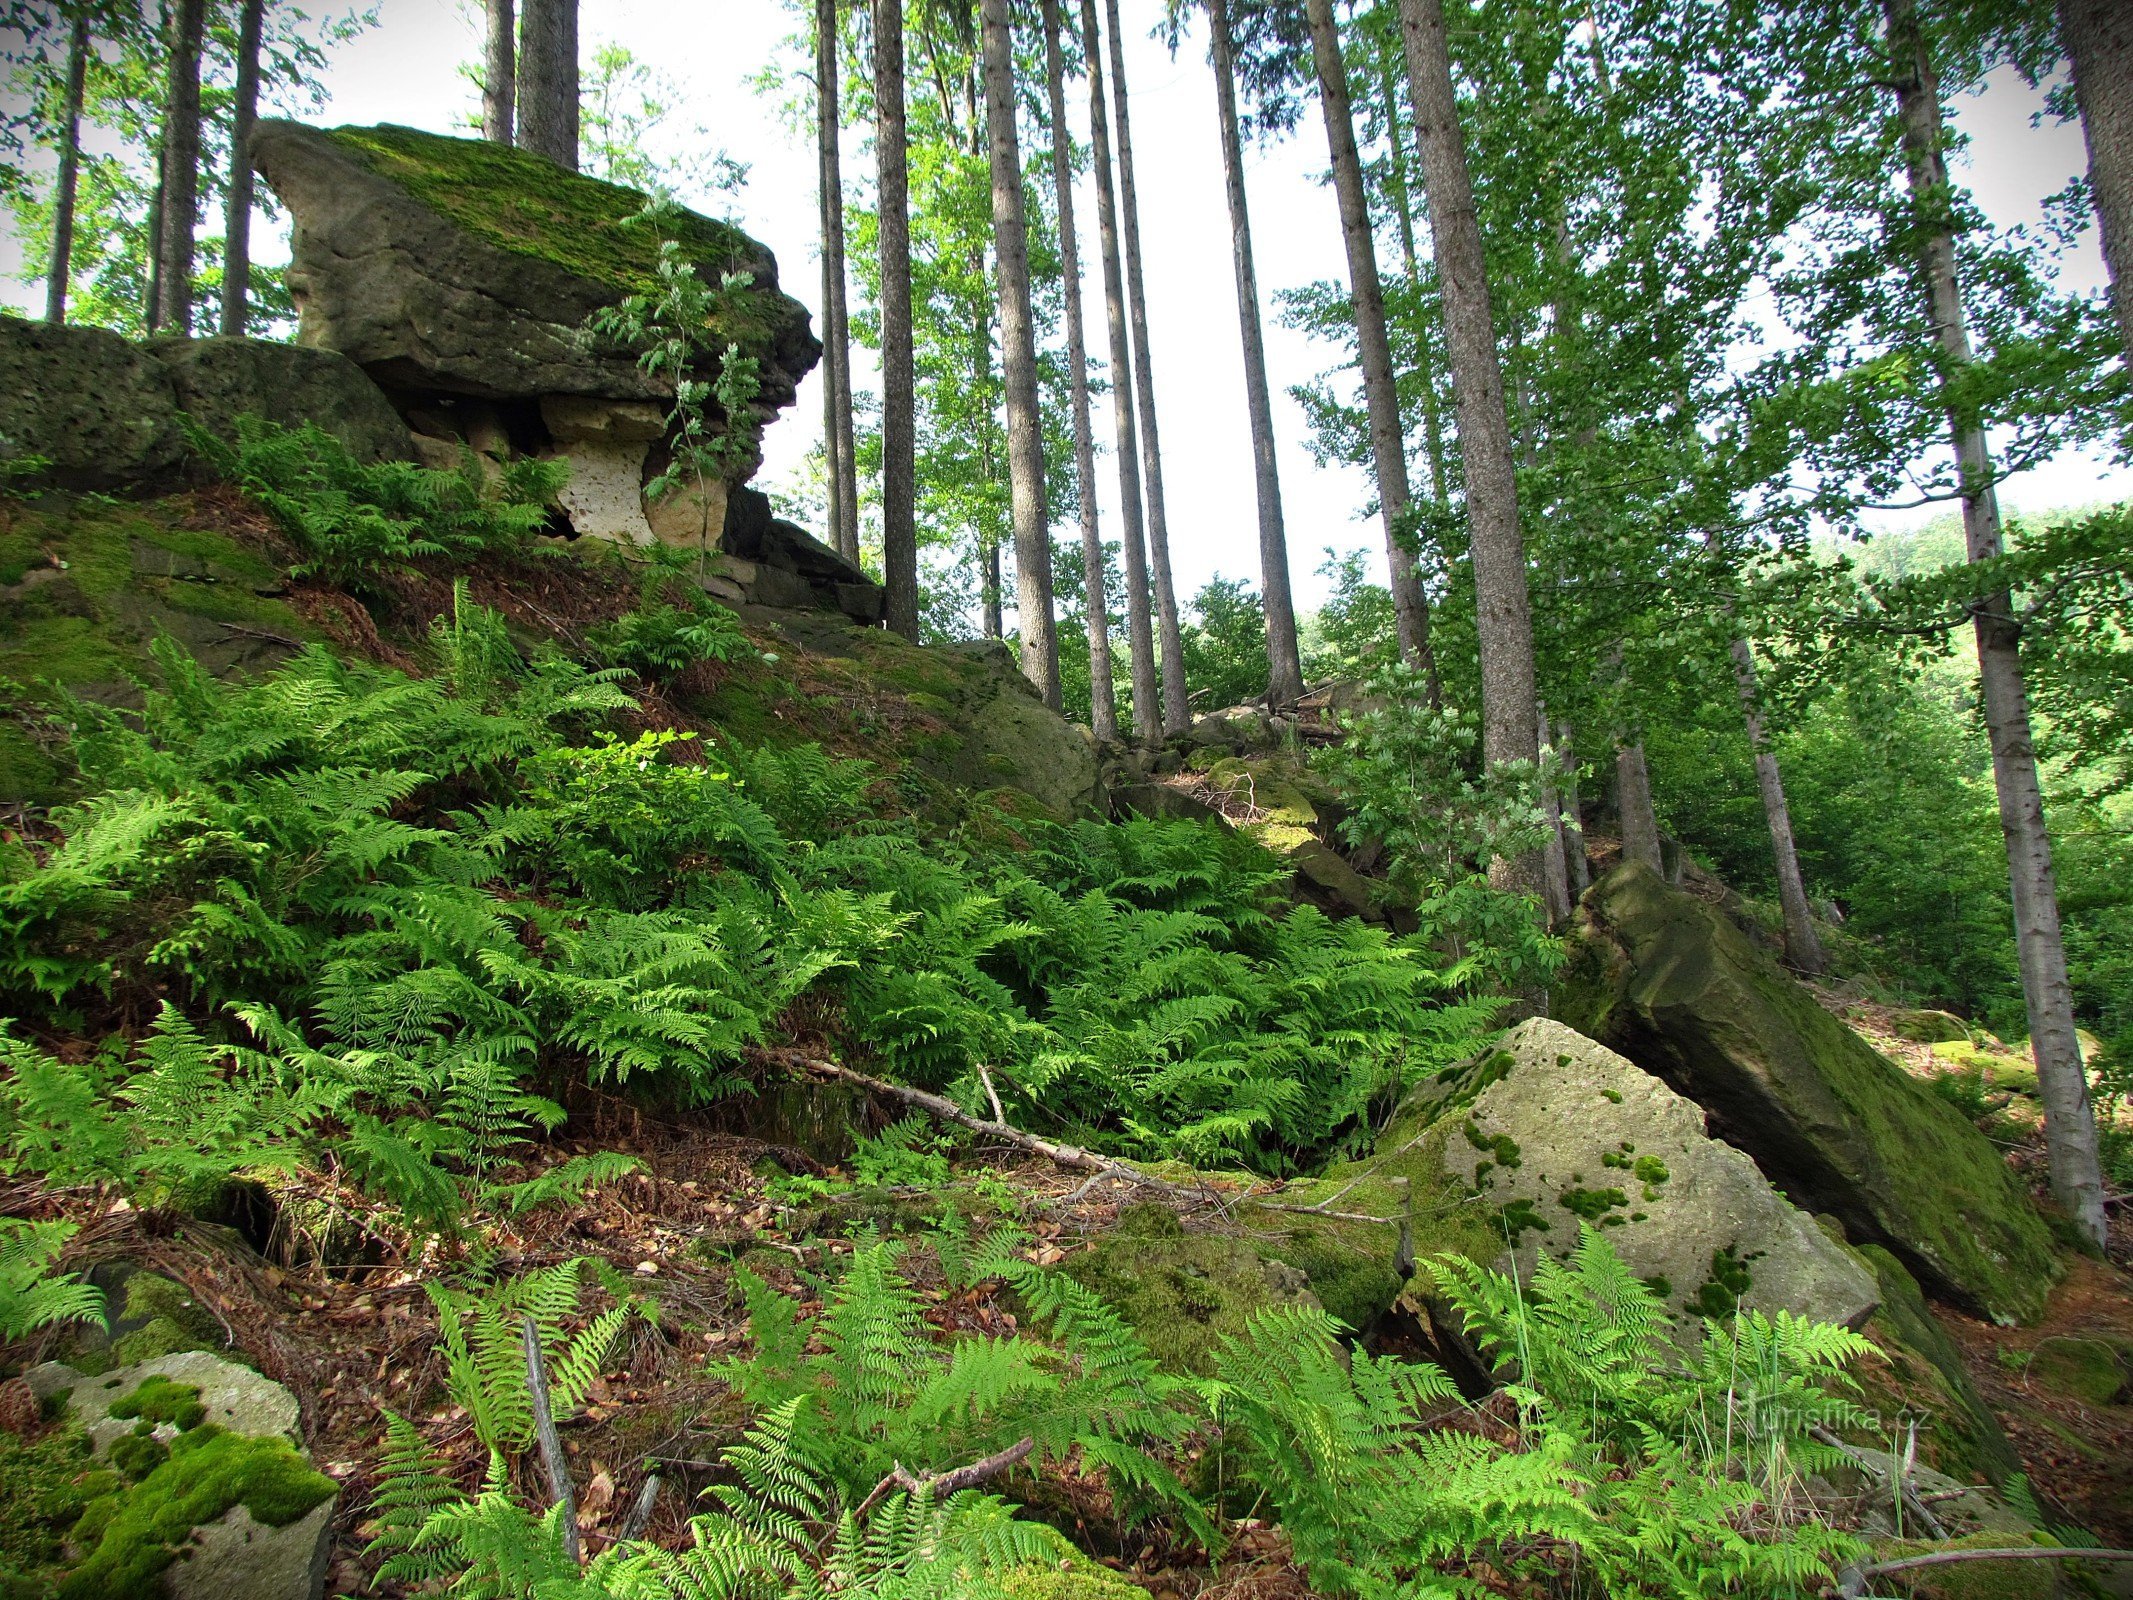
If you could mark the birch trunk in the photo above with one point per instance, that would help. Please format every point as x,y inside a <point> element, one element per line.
<point>899,427</point>
<point>178,213</point>
<point>1140,631</point>
<point>548,80</point>
<point>1803,946</point>
<point>1168,634</point>
<point>1103,704</point>
<point>59,274</point>
<point>499,71</point>
<point>237,214</point>
<point>836,313</point>
<point>1284,664</point>
<point>2062,1083</point>
<point>1018,360</point>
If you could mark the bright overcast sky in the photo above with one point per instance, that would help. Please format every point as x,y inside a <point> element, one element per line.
<point>408,70</point>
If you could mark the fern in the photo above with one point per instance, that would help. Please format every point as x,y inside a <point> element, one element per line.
<point>31,1296</point>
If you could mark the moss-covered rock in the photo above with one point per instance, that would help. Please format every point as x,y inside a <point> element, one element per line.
<point>1929,1027</point>
<point>45,1485</point>
<point>1970,1580</point>
<point>1184,1291</point>
<point>1670,982</point>
<point>97,408</point>
<point>2097,1372</point>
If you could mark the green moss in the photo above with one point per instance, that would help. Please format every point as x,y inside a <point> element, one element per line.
<point>1721,1292</point>
<point>160,1400</point>
<point>133,1456</point>
<point>1502,1148</point>
<point>1080,1579</point>
<point>2093,1371</point>
<point>1614,1096</point>
<point>1923,1373</point>
<point>529,206</point>
<point>1650,1169</point>
<point>1594,1205</point>
<point>45,1483</point>
<point>130,1536</point>
<point>1971,1580</point>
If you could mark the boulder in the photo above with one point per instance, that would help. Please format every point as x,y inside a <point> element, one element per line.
<point>236,1399</point>
<point>218,380</point>
<point>461,267</point>
<point>1553,1129</point>
<point>97,408</point>
<point>1669,981</point>
<point>238,1555</point>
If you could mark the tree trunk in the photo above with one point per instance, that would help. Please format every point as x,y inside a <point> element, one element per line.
<point>1172,639</point>
<point>179,212</point>
<point>548,80</point>
<point>1140,627</point>
<point>2098,38</point>
<point>2062,1084</point>
<point>1503,619</point>
<point>1388,438</point>
<point>1573,815</point>
<point>237,223</point>
<point>499,71</point>
<point>1284,663</point>
<point>899,427</point>
<point>844,482</point>
<point>59,275</point>
<point>1555,854</point>
<point>1803,947</point>
<point>988,529</point>
<point>1633,800</point>
<point>1103,703</point>
<point>1018,361</point>
<point>832,506</point>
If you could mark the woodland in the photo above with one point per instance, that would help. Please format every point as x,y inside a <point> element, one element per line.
<point>576,1026</point>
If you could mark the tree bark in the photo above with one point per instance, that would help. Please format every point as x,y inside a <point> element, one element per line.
<point>1103,703</point>
<point>59,274</point>
<point>1168,633</point>
<point>1510,730</point>
<point>1555,854</point>
<point>1633,800</point>
<point>1803,947</point>
<point>548,80</point>
<point>1381,399</point>
<point>836,311</point>
<point>1284,663</point>
<point>899,426</point>
<point>2098,38</point>
<point>1573,815</point>
<point>832,505</point>
<point>2062,1084</point>
<point>237,216</point>
<point>499,71</point>
<point>1018,361</point>
<point>1140,626</point>
<point>178,214</point>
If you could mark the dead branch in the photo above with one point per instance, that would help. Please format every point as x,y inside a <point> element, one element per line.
<point>1854,1581</point>
<point>940,1485</point>
<point>551,1443</point>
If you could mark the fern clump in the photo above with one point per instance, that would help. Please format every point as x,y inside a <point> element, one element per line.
<point>32,1296</point>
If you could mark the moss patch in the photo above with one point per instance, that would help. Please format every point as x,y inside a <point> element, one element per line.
<point>160,1400</point>
<point>1970,1580</point>
<point>131,1535</point>
<point>45,1485</point>
<point>1921,1372</point>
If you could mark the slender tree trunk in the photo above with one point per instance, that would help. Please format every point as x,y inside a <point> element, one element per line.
<point>1103,702</point>
<point>1803,947</point>
<point>836,309</point>
<point>2062,1084</point>
<point>1573,815</point>
<point>1140,627</point>
<point>59,275</point>
<point>548,80</point>
<point>1168,633</point>
<point>1633,799</point>
<point>1503,620</point>
<point>988,530</point>
<point>899,427</point>
<point>1555,854</point>
<point>152,298</point>
<point>1018,352</point>
<point>499,71</point>
<point>2098,38</point>
<point>179,214</point>
<point>1381,398</point>
<point>237,217</point>
<point>832,502</point>
<point>1284,662</point>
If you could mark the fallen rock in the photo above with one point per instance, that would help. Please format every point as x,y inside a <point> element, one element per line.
<point>1552,1129</point>
<point>1670,982</point>
<point>97,408</point>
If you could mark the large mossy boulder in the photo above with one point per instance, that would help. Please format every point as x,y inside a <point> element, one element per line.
<point>1553,1130</point>
<point>1669,981</point>
<point>97,409</point>
<point>456,266</point>
<point>218,380</point>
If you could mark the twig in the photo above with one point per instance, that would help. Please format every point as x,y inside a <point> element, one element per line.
<point>1066,1155</point>
<point>1910,1497</point>
<point>559,1490</point>
<point>943,1484</point>
<point>992,1094</point>
<point>640,1516</point>
<point>1854,1580</point>
<point>261,633</point>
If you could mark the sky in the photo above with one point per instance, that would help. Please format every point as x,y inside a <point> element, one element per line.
<point>408,70</point>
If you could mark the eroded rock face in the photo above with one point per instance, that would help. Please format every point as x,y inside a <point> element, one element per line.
<point>1553,1129</point>
<point>1670,982</point>
<point>220,379</point>
<point>462,267</point>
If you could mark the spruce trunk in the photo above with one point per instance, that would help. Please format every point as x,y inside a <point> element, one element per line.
<point>1284,664</point>
<point>59,273</point>
<point>1633,802</point>
<point>2062,1084</point>
<point>1018,360</point>
<point>237,217</point>
<point>499,71</point>
<point>1168,633</point>
<point>178,213</point>
<point>836,315</point>
<point>2098,38</point>
<point>899,427</point>
<point>1140,628</point>
<point>548,80</point>
<point>1103,705</point>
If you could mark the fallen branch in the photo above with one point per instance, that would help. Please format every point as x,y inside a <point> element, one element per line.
<point>551,1443</point>
<point>1909,1495</point>
<point>1854,1581</point>
<point>640,1516</point>
<point>940,1485</point>
<point>1066,1155</point>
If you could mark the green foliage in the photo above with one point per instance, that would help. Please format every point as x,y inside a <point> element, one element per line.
<point>158,1399</point>
<point>31,1296</point>
<point>657,641</point>
<point>356,523</point>
<point>1225,644</point>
